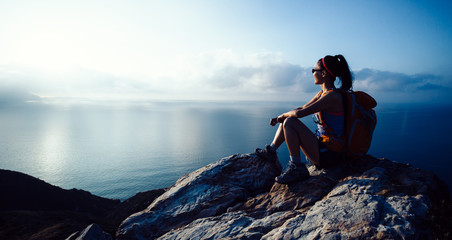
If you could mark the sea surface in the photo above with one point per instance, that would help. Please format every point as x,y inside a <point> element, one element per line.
<point>118,150</point>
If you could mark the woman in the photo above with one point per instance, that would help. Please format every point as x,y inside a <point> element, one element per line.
<point>297,136</point>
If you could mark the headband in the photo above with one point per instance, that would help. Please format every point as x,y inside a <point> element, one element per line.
<point>323,62</point>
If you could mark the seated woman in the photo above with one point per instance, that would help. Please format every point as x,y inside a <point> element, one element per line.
<point>297,136</point>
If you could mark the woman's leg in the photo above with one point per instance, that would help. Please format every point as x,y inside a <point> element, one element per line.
<point>279,137</point>
<point>297,135</point>
<point>269,152</point>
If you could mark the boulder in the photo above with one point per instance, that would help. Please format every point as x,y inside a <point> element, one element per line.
<point>206,192</point>
<point>92,232</point>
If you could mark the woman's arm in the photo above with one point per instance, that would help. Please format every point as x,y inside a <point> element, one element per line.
<point>325,102</point>
<point>313,100</point>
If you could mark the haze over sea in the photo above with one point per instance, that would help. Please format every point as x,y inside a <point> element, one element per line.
<point>116,151</point>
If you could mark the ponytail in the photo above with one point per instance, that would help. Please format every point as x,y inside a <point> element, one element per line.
<point>337,66</point>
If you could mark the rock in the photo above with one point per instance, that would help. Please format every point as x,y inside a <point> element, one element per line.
<point>132,205</point>
<point>207,192</point>
<point>23,192</point>
<point>236,198</point>
<point>33,209</point>
<point>92,232</point>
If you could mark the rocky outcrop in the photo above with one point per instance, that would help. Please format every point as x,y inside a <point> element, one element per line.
<point>24,192</point>
<point>207,192</point>
<point>236,198</point>
<point>33,209</point>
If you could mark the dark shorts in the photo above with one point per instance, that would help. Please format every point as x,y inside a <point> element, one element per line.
<point>328,158</point>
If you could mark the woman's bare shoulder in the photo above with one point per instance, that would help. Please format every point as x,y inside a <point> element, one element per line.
<point>333,101</point>
<point>332,95</point>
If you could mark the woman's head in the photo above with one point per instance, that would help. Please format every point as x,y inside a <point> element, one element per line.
<point>336,66</point>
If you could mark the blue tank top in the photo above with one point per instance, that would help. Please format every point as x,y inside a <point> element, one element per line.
<point>333,120</point>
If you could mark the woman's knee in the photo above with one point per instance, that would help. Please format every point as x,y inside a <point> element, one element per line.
<point>293,124</point>
<point>290,122</point>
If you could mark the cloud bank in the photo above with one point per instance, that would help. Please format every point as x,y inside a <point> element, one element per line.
<point>218,75</point>
<point>399,87</point>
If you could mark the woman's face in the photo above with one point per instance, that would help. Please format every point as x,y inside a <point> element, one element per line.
<point>318,78</point>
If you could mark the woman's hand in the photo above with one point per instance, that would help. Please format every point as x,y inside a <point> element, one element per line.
<point>273,121</point>
<point>276,120</point>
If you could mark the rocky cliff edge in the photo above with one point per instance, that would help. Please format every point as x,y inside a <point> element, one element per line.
<point>237,198</point>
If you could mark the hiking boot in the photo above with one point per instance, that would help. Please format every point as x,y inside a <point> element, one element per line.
<point>267,153</point>
<point>294,172</point>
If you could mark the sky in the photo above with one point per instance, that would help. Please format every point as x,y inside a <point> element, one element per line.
<point>87,51</point>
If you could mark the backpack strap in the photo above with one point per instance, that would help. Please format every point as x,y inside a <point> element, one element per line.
<point>345,109</point>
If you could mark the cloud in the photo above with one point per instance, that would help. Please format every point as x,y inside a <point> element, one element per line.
<point>430,86</point>
<point>273,76</point>
<point>375,80</point>
<point>15,96</point>
<point>400,87</point>
<point>216,75</point>
<point>260,72</point>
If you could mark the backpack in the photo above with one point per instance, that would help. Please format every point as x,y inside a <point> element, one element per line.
<point>359,124</point>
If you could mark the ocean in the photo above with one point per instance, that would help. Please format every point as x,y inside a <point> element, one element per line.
<point>118,150</point>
